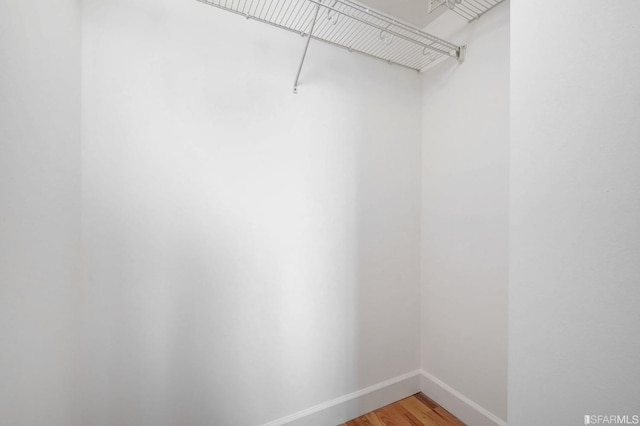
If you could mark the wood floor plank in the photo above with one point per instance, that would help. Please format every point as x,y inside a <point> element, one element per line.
<point>361,421</point>
<point>387,417</point>
<point>449,417</point>
<point>373,419</point>
<point>396,415</point>
<point>426,400</point>
<point>367,420</point>
<point>418,409</point>
<point>407,415</point>
<point>438,419</point>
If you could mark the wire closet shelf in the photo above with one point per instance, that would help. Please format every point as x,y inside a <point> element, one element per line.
<point>349,25</point>
<point>468,9</point>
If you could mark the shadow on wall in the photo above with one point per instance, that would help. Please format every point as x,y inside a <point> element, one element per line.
<point>241,267</point>
<point>458,31</point>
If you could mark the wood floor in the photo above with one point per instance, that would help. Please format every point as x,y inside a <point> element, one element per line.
<point>417,410</point>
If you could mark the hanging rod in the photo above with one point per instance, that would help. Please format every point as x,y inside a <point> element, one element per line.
<point>350,25</point>
<point>388,30</point>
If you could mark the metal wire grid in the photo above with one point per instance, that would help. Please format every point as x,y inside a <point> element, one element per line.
<point>473,9</point>
<point>350,25</point>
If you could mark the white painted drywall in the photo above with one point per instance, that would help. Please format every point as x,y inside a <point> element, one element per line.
<point>39,210</point>
<point>465,136</point>
<point>575,212</point>
<point>249,252</point>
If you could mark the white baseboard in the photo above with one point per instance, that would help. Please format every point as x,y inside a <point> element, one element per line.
<point>355,404</point>
<point>468,411</point>
<point>347,407</point>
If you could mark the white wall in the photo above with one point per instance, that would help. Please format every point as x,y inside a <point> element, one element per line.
<point>575,212</point>
<point>249,252</point>
<point>465,135</point>
<point>39,210</point>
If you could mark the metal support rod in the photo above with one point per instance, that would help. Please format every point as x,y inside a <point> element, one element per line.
<point>306,47</point>
<point>357,29</point>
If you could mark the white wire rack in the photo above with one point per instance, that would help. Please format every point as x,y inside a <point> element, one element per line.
<point>468,9</point>
<point>350,25</point>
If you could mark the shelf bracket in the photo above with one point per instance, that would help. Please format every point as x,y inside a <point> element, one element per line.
<point>462,53</point>
<point>306,47</point>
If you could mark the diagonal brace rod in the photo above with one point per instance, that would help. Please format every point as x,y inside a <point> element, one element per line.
<point>306,47</point>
